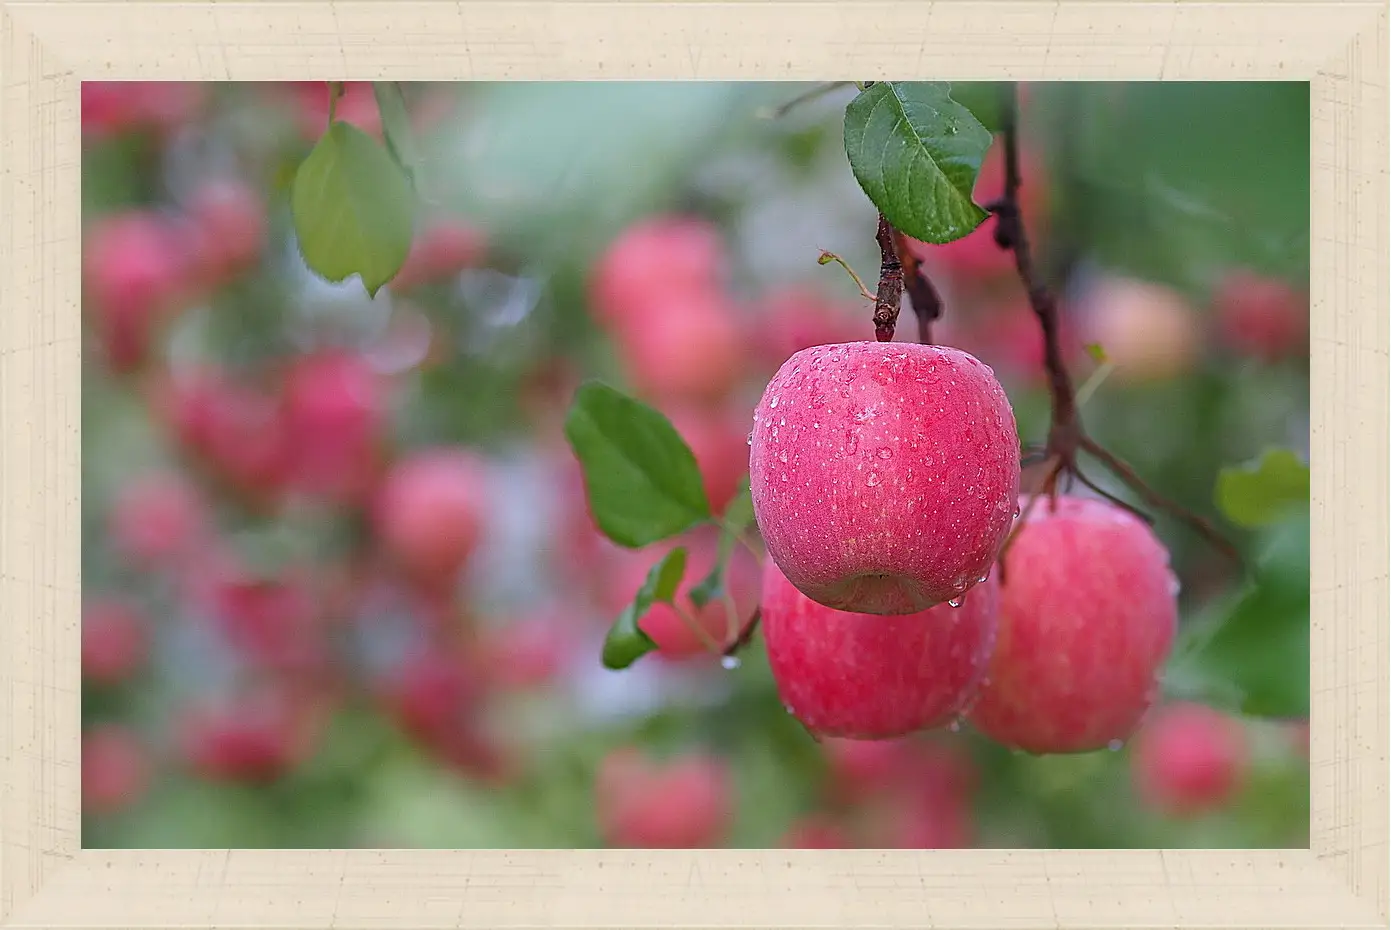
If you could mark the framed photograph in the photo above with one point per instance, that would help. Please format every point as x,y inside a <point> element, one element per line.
<point>690,464</point>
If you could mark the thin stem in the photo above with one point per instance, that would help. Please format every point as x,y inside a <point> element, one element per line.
<point>700,632</point>
<point>814,93</point>
<point>335,91</point>
<point>745,635</point>
<point>827,257</point>
<point>1088,388</point>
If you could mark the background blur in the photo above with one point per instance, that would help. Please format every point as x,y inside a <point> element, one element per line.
<point>340,586</point>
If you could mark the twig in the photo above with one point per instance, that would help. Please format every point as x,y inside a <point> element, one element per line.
<point>888,301</point>
<point>814,93</point>
<point>827,257</point>
<point>1137,484</point>
<point>922,295</point>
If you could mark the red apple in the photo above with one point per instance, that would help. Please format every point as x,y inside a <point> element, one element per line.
<point>228,219</point>
<point>794,319</point>
<point>430,511</point>
<point>875,677</point>
<point>255,739</point>
<point>884,475</point>
<point>1261,317</point>
<point>685,803</point>
<point>434,695</point>
<point>274,622</point>
<point>1087,619</point>
<point>1188,759</point>
<point>115,642</point>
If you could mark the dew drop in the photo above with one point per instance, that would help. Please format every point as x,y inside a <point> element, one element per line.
<point>1175,586</point>
<point>885,453</point>
<point>782,457</point>
<point>815,425</point>
<point>873,479</point>
<point>730,662</point>
<point>773,404</point>
<point>957,601</point>
<point>982,579</point>
<point>782,421</point>
<point>749,440</point>
<point>955,726</point>
<point>852,445</point>
<point>1115,745</point>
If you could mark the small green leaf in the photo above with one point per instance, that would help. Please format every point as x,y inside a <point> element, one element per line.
<point>1097,353</point>
<point>640,476</point>
<point>626,642</point>
<point>1263,491</point>
<point>397,130</point>
<point>917,152</point>
<point>1252,655</point>
<point>353,209</point>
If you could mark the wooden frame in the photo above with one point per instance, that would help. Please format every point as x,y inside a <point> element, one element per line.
<point>47,48</point>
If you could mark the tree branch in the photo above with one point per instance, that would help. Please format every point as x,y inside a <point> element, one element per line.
<point>922,295</point>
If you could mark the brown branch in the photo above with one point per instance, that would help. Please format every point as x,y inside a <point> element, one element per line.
<point>888,301</point>
<point>1065,434</point>
<point>922,295</point>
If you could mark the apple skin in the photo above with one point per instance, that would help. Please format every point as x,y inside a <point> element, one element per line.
<point>1087,619</point>
<point>874,677</point>
<point>1189,759</point>
<point>884,476</point>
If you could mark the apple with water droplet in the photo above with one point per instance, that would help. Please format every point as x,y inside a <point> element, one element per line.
<point>1088,612</point>
<point>875,677</point>
<point>884,476</point>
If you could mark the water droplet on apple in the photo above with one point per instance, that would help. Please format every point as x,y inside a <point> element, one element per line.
<point>873,479</point>
<point>749,440</point>
<point>885,453</point>
<point>1175,586</point>
<point>782,457</point>
<point>955,725</point>
<point>852,443</point>
<point>774,403</point>
<point>815,425</point>
<point>730,662</point>
<point>983,578</point>
<point>1115,745</point>
<point>957,601</point>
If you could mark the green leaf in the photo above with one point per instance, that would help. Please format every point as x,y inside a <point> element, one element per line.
<point>982,98</point>
<point>916,152</point>
<point>640,476</point>
<point>626,642</point>
<point>1252,656</point>
<point>397,130</point>
<point>353,209</point>
<point>1265,490</point>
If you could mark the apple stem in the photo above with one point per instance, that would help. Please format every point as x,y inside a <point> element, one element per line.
<point>888,301</point>
<point>1066,437</point>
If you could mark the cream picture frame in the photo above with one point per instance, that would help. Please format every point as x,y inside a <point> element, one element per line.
<point>47,48</point>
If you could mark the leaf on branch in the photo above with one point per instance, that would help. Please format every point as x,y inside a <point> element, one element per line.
<point>1265,490</point>
<point>1252,655</point>
<point>916,153</point>
<point>626,642</point>
<point>353,209</point>
<point>640,476</point>
<point>397,130</point>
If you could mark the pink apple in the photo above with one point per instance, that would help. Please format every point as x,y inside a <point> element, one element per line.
<point>1188,759</point>
<point>115,641</point>
<point>1148,331</point>
<point>158,520</point>
<point>689,346</point>
<point>430,511</point>
<point>440,251</point>
<point>684,803</point>
<point>252,739</point>
<point>884,475</point>
<point>135,273</point>
<point>875,677</point>
<point>115,769</point>
<point>335,416</point>
<point>652,258</point>
<point>228,220</point>
<point>273,622</point>
<point>796,318</point>
<point>1087,619</point>
<point>718,439</point>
